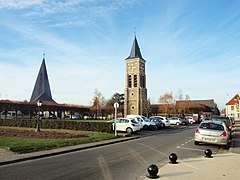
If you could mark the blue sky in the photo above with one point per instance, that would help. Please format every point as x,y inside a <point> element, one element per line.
<point>190,46</point>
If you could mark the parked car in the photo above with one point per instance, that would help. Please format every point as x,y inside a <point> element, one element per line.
<point>175,121</point>
<point>212,132</point>
<point>8,114</point>
<point>52,116</point>
<point>128,125</point>
<point>147,124</point>
<point>71,117</point>
<point>140,121</point>
<point>190,119</point>
<point>160,124</point>
<point>163,119</point>
<point>184,121</point>
<point>224,119</point>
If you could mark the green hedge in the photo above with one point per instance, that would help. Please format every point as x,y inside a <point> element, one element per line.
<point>60,124</point>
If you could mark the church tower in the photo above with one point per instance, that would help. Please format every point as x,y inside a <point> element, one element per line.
<point>42,89</point>
<point>135,93</point>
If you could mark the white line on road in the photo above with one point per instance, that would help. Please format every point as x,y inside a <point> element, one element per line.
<point>154,149</point>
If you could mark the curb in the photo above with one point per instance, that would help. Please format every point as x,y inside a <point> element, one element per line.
<point>66,150</point>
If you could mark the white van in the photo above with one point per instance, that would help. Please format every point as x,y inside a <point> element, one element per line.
<point>145,122</point>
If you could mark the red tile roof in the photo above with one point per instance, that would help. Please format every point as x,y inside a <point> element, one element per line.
<point>234,100</point>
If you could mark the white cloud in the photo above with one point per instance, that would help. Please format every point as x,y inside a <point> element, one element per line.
<point>16,4</point>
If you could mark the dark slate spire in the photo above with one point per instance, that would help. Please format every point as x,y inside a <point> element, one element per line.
<point>135,51</point>
<point>41,89</point>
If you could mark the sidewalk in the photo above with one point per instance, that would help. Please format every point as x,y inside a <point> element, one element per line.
<point>221,166</point>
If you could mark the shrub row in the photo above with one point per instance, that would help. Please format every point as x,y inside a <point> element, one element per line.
<point>59,124</point>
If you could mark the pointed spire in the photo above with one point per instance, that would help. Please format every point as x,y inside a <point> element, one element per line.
<point>41,89</point>
<point>135,51</point>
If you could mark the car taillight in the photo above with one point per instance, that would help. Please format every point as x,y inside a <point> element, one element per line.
<point>197,131</point>
<point>230,126</point>
<point>224,134</point>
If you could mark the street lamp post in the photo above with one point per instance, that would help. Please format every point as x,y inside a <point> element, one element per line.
<point>116,105</point>
<point>39,104</point>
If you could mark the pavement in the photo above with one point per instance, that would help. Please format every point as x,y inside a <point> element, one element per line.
<point>220,166</point>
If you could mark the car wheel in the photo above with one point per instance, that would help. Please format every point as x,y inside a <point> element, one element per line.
<point>177,123</point>
<point>129,130</point>
<point>196,143</point>
<point>145,127</point>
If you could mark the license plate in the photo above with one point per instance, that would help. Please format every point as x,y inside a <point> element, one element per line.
<point>209,139</point>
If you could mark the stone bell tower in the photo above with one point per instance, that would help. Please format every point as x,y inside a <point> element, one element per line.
<point>135,92</point>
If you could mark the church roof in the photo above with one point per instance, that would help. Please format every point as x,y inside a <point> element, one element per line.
<point>42,89</point>
<point>135,51</point>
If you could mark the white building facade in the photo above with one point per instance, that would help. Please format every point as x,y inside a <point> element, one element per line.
<point>232,107</point>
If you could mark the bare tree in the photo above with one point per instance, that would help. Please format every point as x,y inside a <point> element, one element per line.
<point>98,101</point>
<point>187,97</point>
<point>167,100</point>
<point>179,95</point>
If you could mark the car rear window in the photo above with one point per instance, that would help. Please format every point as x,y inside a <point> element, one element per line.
<point>211,126</point>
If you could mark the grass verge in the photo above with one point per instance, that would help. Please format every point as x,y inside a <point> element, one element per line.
<point>27,145</point>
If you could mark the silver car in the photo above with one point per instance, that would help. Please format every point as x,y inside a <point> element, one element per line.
<point>212,132</point>
<point>175,121</point>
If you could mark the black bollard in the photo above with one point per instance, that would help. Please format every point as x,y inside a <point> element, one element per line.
<point>153,171</point>
<point>208,153</point>
<point>173,158</point>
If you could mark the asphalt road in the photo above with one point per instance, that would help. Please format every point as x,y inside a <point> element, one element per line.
<point>126,160</point>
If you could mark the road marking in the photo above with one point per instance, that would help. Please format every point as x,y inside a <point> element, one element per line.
<point>104,167</point>
<point>154,149</point>
<point>139,158</point>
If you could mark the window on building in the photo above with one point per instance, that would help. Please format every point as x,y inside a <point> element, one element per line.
<point>238,115</point>
<point>232,108</point>
<point>143,82</point>
<point>135,80</point>
<point>129,80</point>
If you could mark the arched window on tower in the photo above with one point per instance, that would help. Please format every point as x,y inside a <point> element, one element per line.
<point>141,81</point>
<point>144,81</point>
<point>135,80</point>
<point>129,81</point>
